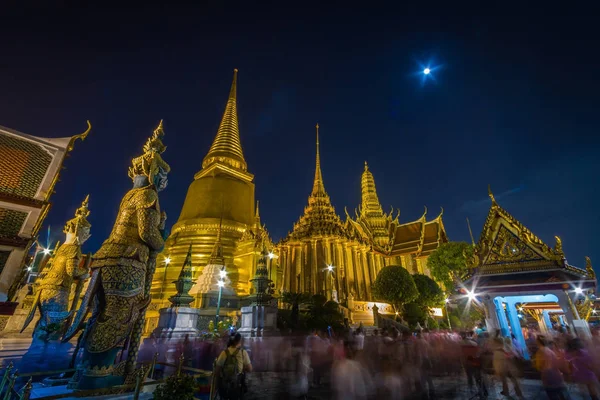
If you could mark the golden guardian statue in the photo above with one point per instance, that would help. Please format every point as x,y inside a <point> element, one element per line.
<point>121,275</point>
<point>53,287</point>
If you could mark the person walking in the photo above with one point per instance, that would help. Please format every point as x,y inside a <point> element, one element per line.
<point>230,369</point>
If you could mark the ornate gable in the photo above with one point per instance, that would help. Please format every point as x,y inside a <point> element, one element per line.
<point>507,247</point>
<point>505,242</point>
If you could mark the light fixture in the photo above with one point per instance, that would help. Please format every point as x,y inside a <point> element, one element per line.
<point>471,295</point>
<point>220,283</point>
<point>427,71</point>
<point>29,268</point>
<point>593,311</point>
<point>46,251</point>
<point>578,290</point>
<point>167,260</point>
<point>447,300</point>
<point>271,255</point>
<point>397,313</point>
<point>330,268</point>
<point>222,274</point>
<point>520,308</point>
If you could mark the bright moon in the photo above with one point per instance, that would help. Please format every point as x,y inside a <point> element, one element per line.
<point>426,71</point>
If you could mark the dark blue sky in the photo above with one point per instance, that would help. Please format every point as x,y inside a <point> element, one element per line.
<point>514,104</point>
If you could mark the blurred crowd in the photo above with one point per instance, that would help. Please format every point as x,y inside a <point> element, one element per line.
<point>399,365</point>
<point>390,364</point>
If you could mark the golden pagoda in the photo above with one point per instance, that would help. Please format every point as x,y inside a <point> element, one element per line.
<point>220,199</point>
<point>324,255</point>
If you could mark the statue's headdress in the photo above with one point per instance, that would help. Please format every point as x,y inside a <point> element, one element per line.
<point>149,163</point>
<point>80,221</point>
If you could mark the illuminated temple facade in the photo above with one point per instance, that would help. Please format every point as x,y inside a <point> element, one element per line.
<point>341,259</point>
<point>220,211</point>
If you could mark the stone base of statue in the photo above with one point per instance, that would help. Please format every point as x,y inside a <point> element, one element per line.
<point>259,321</point>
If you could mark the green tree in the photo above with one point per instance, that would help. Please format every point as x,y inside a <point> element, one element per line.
<point>413,313</point>
<point>295,300</point>
<point>395,285</point>
<point>180,387</point>
<point>430,293</point>
<point>449,262</point>
<point>323,314</point>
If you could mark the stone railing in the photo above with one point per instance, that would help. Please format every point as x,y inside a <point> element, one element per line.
<point>367,306</point>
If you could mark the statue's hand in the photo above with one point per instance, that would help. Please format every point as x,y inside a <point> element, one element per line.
<point>163,219</point>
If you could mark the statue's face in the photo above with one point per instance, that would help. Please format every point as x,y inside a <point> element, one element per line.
<point>83,235</point>
<point>161,180</point>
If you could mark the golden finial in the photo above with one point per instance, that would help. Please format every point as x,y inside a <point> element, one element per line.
<point>558,247</point>
<point>159,128</point>
<point>257,213</point>
<point>588,267</point>
<point>318,187</point>
<point>491,194</point>
<point>227,147</point>
<point>81,136</point>
<point>441,213</point>
<point>366,166</point>
<point>233,90</point>
<point>424,214</point>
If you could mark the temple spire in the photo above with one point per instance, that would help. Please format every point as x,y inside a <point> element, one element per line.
<point>227,147</point>
<point>318,187</point>
<point>369,199</point>
<point>184,283</point>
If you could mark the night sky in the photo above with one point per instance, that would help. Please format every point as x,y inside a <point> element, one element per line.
<point>513,103</point>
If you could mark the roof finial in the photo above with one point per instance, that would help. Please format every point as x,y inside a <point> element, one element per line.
<point>257,213</point>
<point>159,128</point>
<point>424,214</point>
<point>318,187</point>
<point>470,232</point>
<point>366,166</point>
<point>491,194</point>
<point>233,90</point>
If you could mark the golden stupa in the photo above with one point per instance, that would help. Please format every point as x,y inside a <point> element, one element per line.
<point>220,199</point>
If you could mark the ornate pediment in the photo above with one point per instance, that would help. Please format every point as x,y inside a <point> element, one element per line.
<point>508,248</point>
<point>504,240</point>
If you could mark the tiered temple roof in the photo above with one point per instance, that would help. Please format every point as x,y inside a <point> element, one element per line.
<point>319,218</point>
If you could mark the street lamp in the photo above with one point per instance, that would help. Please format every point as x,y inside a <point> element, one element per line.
<point>578,290</point>
<point>46,251</point>
<point>427,71</point>
<point>446,301</point>
<point>220,284</point>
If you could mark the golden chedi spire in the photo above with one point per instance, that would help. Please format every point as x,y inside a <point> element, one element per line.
<point>227,147</point>
<point>319,216</point>
<point>318,187</point>
<point>372,217</point>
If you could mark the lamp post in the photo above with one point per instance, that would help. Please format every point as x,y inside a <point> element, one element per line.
<point>447,315</point>
<point>220,284</point>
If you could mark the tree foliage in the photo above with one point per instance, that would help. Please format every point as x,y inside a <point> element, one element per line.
<point>295,300</point>
<point>180,387</point>
<point>430,293</point>
<point>449,262</point>
<point>395,285</point>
